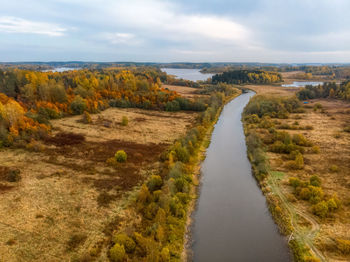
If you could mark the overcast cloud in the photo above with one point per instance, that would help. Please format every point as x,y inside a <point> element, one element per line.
<point>172,31</point>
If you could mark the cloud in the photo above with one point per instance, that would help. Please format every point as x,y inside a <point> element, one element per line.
<point>11,24</point>
<point>119,38</point>
<point>165,20</point>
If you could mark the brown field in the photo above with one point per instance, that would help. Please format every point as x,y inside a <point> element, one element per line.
<point>69,199</point>
<point>184,91</point>
<point>334,146</point>
<point>273,90</point>
<point>328,133</point>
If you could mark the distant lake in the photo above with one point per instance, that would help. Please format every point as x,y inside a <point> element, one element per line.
<point>62,69</point>
<point>187,74</point>
<point>302,84</point>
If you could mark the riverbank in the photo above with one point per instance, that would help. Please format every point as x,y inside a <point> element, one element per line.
<point>310,232</point>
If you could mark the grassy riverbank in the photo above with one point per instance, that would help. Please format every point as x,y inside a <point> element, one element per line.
<point>299,174</point>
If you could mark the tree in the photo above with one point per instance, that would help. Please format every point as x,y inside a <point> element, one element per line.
<point>117,253</point>
<point>126,241</point>
<point>78,105</point>
<point>320,209</point>
<point>155,183</point>
<point>121,156</point>
<point>299,161</point>
<point>87,118</point>
<point>125,121</point>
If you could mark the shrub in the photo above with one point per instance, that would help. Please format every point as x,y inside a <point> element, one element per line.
<point>315,181</point>
<point>121,156</point>
<point>299,161</point>
<point>144,195</point>
<point>315,149</point>
<point>117,253</point>
<point>295,182</point>
<point>13,175</point>
<point>182,153</point>
<point>320,209</point>
<point>172,106</point>
<point>126,241</point>
<point>125,121</point>
<point>112,161</point>
<point>316,194</point>
<point>86,118</point>
<point>305,194</point>
<point>334,168</point>
<point>332,204</point>
<point>165,255</point>
<point>75,240</point>
<point>78,106</point>
<point>343,245</point>
<point>155,183</point>
<point>311,259</point>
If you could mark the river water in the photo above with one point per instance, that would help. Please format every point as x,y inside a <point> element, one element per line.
<point>232,221</point>
<point>188,74</point>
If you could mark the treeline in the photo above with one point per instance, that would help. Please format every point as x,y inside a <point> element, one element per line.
<point>327,90</point>
<point>247,77</point>
<point>163,200</point>
<point>29,99</point>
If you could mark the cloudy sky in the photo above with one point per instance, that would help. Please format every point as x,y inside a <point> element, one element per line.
<point>175,30</point>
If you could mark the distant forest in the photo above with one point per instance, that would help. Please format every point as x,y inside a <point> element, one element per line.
<point>247,77</point>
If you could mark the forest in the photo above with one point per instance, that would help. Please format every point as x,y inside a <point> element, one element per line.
<point>247,77</point>
<point>327,90</point>
<point>29,99</point>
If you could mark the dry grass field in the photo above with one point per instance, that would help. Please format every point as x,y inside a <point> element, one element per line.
<point>331,164</point>
<point>69,200</point>
<point>273,90</point>
<point>184,91</point>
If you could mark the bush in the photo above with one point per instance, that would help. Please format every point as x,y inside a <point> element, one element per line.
<point>332,204</point>
<point>125,121</point>
<point>316,194</point>
<point>299,161</point>
<point>117,253</point>
<point>86,118</point>
<point>75,240</point>
<point>144,195</point>
<point>172,106</point>
<point>344,246</point>
<point>320,209</point>
<point>126,241</point>
<point>121,156</point>
<point>305,194</point>
<point>155,183</point>
<point>315,149</point>
<point>315,181</point>
<point>295,182</point>
<point>182,153</point>
<point>165,255</point>
<point>13,175</point>
<point>78,106</point>
<point>334,168</point>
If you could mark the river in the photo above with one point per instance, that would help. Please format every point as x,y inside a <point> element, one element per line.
<point>232,221</point>
<point>188,74</point>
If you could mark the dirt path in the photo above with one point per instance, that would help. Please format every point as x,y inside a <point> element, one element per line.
<point>304,236</point>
